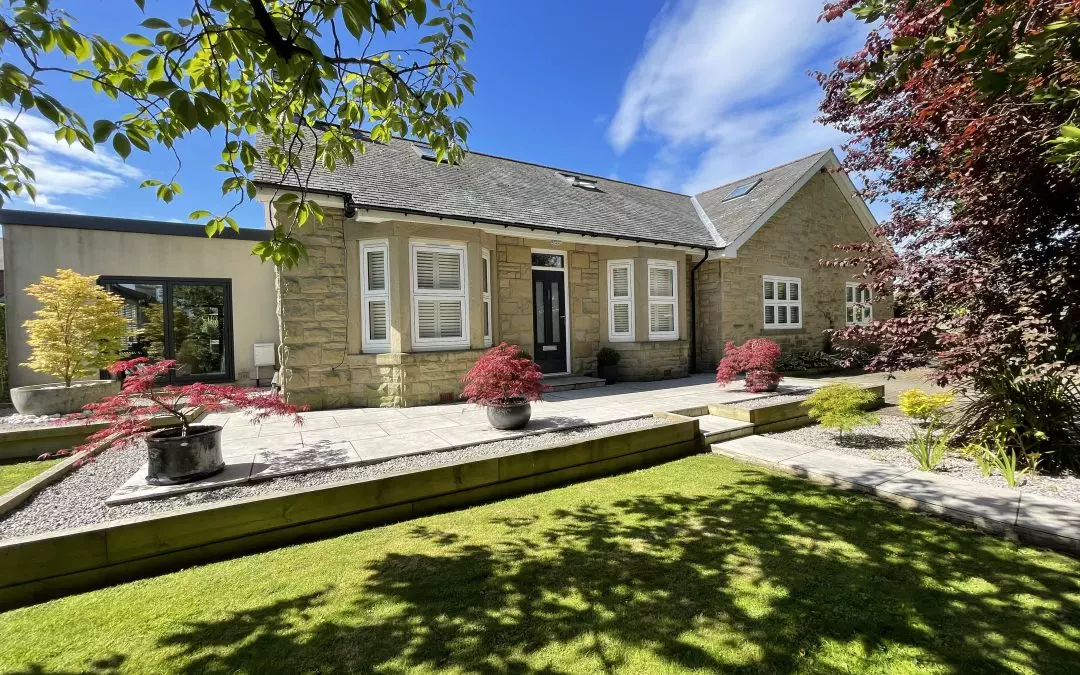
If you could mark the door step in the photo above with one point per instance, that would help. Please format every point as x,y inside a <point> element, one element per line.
<point>570,382</point>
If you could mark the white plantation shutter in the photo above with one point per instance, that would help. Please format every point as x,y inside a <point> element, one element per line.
<point>440,318</point>
<point>375,296</point>
<point>485,260</point>
<point>621,300</point>
<point>782,298</point>
<point>663,300</point>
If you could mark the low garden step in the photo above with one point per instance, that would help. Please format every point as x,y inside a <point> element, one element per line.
<point>571,382</point>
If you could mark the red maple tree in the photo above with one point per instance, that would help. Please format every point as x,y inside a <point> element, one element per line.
<point>503,376</point>
<point>756,358</point>
<point>127,415</point>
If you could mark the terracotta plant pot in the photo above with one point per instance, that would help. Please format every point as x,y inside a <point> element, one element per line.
<point>513,415</point>
<point>175,459</point>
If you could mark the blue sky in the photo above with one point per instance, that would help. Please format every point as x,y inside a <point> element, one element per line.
<point>683,96</point>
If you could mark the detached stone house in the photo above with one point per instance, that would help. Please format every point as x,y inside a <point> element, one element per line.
<point>419,266</point>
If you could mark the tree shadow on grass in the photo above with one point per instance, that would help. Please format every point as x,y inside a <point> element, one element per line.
<point>769,573</point>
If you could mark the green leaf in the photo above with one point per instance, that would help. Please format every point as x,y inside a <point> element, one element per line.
<point>121,145</point>
<point>102,130</point>
<point>138,40</point>
<point>199,214</point>
<point>1070,131</point>
<point>155,23</point>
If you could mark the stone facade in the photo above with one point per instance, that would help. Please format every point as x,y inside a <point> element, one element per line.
<point>652,360</point>
<point>790,244</point>
<point>324,365</point>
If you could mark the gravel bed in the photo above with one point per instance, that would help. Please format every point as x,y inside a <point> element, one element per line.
<point>79,499</point>
<point>11,420</point>
<point>885,443</point>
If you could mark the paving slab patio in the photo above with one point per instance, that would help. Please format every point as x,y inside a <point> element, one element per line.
<point>1042,520</point>
<point>334,438</point>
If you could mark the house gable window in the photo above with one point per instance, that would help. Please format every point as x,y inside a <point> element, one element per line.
<point>439,296</point>
<point>663,300</point>
<point>375,291</point>
<point>783,302</point>
<point>621,300</point>
<point>857,299</point>
<point>485,258</point>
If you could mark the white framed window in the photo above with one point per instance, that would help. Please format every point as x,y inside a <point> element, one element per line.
<point>485,258</point>
<point>663,300</point>
<point>857,308</point>
<point>620,300</point>
<point>439,296</point>
<point>783,302</point>
<point>375,296</point>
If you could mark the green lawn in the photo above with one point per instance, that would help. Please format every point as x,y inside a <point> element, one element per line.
<point>14,474</point>
<point>700,565</point>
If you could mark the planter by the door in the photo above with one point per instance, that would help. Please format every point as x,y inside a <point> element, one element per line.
<point>174,458</point>
<point>510,416</point>
<point>56,399</point>
<point>608,372</point>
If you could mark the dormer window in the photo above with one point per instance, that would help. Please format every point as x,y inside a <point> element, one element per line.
<point>581,182</point>
<point>742,190</point>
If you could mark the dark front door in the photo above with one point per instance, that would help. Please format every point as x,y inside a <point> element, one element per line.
<point>549,320</point>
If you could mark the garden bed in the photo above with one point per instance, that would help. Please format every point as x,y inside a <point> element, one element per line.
<point>885,443</point>
<point>79,498</point>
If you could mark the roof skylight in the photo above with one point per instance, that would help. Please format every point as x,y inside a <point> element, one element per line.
<point>427,153</point>
<point>581,182</point>
<point>742,190</point>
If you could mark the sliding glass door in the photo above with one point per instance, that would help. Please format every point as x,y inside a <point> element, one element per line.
<point>188,320</point>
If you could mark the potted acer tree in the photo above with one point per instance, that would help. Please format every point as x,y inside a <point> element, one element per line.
<point>179,452</point>
<point>505,381</point>
<point>75,333</point>
<point>757,359</point>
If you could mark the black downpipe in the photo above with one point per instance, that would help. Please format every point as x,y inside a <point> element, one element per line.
<point>693,311</point>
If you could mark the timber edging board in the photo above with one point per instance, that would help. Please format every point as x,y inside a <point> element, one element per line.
<point>41,567</point>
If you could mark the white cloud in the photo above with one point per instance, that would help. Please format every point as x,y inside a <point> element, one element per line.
<point>62,169</point>
<point>723,86</point>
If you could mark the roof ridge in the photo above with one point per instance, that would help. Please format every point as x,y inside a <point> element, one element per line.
<point>765,171</point>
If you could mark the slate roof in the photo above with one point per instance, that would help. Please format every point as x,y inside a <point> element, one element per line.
<point>492,189</point>
<point>733,217</point>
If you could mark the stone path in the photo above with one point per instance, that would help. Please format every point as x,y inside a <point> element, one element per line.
<point>1017,513</point>
<point>350,436</point>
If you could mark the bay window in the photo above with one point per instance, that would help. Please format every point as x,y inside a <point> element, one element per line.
<point>439,296</point>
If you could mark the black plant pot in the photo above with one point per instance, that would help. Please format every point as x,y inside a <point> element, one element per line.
<point>608,372</point>
<point>510,416</point>
<point>175,459</point>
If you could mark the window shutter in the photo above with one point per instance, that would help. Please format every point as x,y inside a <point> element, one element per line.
<point>620,318</point>
<point>620,282</point>
<point>661,282</point>
<point>376,270</point>
<point>661,318</point>
<point>425,270</point>
<point>427,319</point>
<point>375,295</point>
<point>620,300</point>
<point>377,320</point>
<point>448,274</point>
